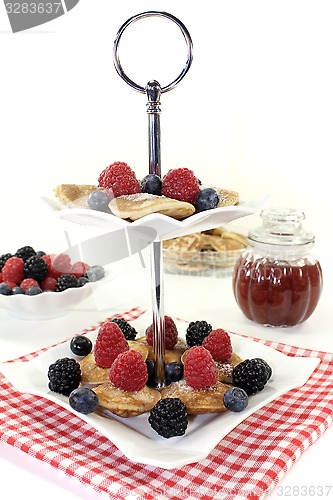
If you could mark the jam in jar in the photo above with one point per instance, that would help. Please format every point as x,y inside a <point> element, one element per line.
<point>277,281</point>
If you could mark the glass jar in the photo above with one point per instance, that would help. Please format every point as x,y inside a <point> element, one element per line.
<point>277,281</point>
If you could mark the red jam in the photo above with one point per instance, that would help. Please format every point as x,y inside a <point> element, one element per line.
<point>276,294</point>
<point>278,280</point>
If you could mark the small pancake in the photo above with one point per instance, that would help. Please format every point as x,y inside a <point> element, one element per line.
<point>227,197</point>
<point>136,206</point>
<point>171,355</point>
<point>126,404</point>
<point>208,400</point>
<point>74,195</point>
<point>225,368</point>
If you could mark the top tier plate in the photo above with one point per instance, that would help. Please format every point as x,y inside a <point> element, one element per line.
<point>163,226</point>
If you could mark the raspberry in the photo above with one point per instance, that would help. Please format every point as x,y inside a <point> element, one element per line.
<point>109,343</point>
<point>181,184</point>
<point>171,333</point>
<point>199,368</point>
<point>129,371</point>
<point>1,280</point>
<point>60,264</point>
<point>48,284</point>
<point>27,283</point>
<point>119,178</point>
<point>13,270</point>
<point>79,268</point>
<point>218,343</point>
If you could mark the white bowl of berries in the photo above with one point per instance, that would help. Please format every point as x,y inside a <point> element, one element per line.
<point>37,286</point>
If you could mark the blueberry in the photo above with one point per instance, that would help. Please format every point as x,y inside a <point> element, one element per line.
<point>83,400</point>
<point>17,290</point>
<point>80,345</point>
<point>174,371</point>
<point>95,273</point>
<point>207,199</point>
<point>235,399</point>
<point>82,281</point>
<point>40,253</point>
<point>5,289</point>
<point>34,290</point>
<point>151,184</point>
<point>151,372</point>
<point>98,200</point>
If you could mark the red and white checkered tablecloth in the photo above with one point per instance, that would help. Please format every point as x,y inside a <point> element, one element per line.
<point>248,462</point>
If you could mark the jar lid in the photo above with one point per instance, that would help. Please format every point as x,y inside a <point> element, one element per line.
<point>281,226</point>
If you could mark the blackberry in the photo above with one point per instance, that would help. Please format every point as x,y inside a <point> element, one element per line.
<point>64,376</point>
<point>25,252</point>
<point>196,332</point>
<point>3,258</point>
<point>250,375</point>
<point>268,369</point>
<point>169,418</point>
<point>66,281</point>
<point>36,268</point>
<point>128,330</point>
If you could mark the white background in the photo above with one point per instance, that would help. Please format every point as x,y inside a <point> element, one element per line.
<point>253,114</point>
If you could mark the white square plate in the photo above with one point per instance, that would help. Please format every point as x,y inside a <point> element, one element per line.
<point>133,436</point>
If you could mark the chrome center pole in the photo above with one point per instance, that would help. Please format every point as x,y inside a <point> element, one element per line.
<point>154,91</point>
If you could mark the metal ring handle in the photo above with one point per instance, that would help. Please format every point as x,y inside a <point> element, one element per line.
<point>185,33</point>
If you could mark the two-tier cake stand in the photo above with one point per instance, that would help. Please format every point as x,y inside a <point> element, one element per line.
<point>156,228</point>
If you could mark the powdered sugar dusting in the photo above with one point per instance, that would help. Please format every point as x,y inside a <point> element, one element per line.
<point>141,197</point>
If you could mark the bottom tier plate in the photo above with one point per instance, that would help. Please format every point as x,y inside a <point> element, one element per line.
<point>133,436</point>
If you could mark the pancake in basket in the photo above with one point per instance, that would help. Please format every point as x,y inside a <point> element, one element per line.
<point>208,400</point>
<point>136,206</point>
<point>124,403</point>
<point>93,374</point>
